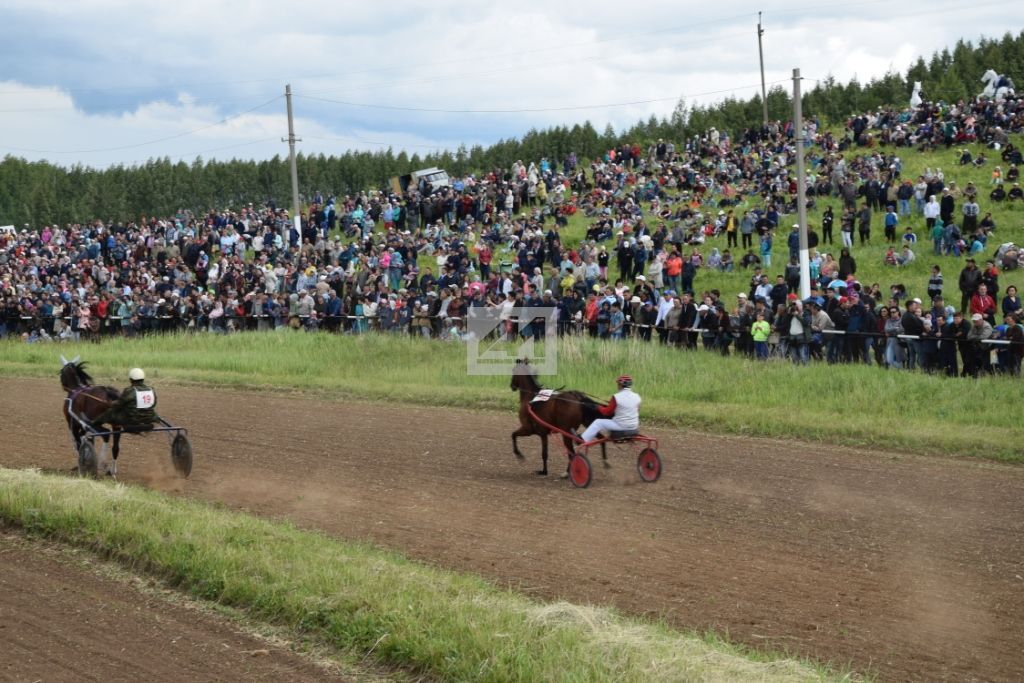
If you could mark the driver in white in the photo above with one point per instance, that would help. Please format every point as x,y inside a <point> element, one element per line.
<point>623,409</point>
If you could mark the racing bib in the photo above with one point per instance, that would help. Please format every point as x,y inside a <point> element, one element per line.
<point>145,399</point>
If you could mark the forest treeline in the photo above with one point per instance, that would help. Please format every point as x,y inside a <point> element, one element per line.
<point>42,192</point>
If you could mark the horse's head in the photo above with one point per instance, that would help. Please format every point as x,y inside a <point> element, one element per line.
<point>73,374</point>
<point>522,376</point>
<point>988,76</point>
<point>917,86</point>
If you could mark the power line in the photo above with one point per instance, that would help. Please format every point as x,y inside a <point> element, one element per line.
<point>148,142</point>
<point>371,142</point>
<point>193,155</point>
<point>534,109</point>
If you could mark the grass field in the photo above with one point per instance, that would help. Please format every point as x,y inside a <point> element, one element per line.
<point>364,602</point>
<point>844,404</point>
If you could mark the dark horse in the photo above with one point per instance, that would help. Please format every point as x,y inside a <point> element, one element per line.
<point>87,402</point>
<point>565,410</point>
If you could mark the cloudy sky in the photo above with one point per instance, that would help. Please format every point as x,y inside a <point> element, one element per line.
<point>99,82</point>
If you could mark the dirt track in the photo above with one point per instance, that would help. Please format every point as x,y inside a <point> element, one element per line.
<point>910,567</point>
<point>62,620</point>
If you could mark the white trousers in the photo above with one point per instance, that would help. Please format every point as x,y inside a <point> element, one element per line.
<point>598,426</point>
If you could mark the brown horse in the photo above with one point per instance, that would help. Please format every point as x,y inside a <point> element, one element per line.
<point>87,402</point>
<point>565,410</point>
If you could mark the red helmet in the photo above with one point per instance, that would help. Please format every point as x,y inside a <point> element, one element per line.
<point>624,381</point>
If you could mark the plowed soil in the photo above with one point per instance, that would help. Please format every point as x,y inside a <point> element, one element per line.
<point>908,567</point>
<point>62,620</point>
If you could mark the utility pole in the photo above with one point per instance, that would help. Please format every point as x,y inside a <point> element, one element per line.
<point>801,187</point>
<point>764,93</point>
<point>291,140</point>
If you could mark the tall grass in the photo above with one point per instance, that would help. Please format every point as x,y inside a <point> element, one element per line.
<point>843,404</point>
<point>363,601</point>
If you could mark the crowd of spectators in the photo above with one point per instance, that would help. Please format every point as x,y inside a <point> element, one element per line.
<point>420,262</point>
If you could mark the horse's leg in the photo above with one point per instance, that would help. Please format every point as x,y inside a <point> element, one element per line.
<point>522,431</point>
<point>76,434</point>
<point>116,451</point>
<point>543,455</point>
<point>604,456</point>
<point>101,456</point>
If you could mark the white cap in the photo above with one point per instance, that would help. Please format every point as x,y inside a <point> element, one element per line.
<point>136,375</point>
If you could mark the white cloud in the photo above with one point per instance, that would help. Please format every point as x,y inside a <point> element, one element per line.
<point>98,74</point>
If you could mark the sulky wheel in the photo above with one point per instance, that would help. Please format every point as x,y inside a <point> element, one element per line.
<point>87,461</point>
<point>648,465</point>
<point>181,455</point>
<point>580,471</point>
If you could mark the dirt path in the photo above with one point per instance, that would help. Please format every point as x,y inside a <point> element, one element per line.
<point>62,620</point>
<point>907,566</point>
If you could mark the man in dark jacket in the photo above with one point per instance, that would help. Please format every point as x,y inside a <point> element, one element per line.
<point>841,319</point>
<point>946,207</point>
<point>970,278</point>
<point>913,325</point>
<point>135,407</point>
<point>779,292</point>
<point>688,320</point>
<point>864,224</point>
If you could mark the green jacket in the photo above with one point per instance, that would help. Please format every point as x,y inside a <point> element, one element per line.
<point>128,405</point>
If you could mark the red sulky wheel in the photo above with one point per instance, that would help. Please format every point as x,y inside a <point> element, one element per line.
<point>648,465</point>
<point>579,471</point>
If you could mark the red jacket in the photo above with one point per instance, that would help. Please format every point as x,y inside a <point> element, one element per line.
<point>609,409</point>
<point>985,305</point>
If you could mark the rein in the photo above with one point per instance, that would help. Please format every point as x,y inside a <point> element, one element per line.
<point>552,428</point>
<point>562,397</point>
<point>83,391</point>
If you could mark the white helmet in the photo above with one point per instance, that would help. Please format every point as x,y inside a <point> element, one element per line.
<point>136,375</point>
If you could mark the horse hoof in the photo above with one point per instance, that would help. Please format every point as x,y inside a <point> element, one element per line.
<point>563,475</point>
<point>607,465</point>
<point>541,473</point>
<point>519,456</point>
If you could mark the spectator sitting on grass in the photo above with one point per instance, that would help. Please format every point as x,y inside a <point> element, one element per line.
<point>906,257</point>
<point>909,238</point>
<point>750,259</point>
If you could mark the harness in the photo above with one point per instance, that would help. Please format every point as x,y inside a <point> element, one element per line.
<point>80,391</point>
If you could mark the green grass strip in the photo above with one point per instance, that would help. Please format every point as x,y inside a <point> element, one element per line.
<point>839,404</point>
<point>358,599</point>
